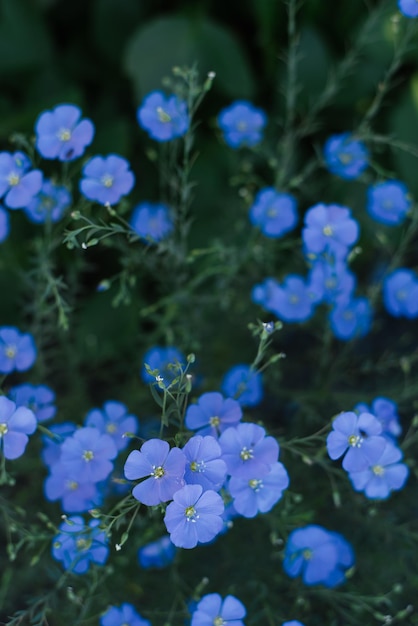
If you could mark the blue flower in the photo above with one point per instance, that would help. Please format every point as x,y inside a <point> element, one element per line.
<point>345,156</point>
<point>114,421</point>
<point>52,444</point>
<point>152,222</point>
<point>213,414</point>
<point>163,117</point>
<point>358,436</point>
<point>386,411</point>
<point>38,398</point>
<point>77,545</point>
<point>18,185</point>
<point>87,455</point>
<point>4,224</point>
<point>319,556</point>
<point>75,496</point>
<point>125,615</point>
<point>15,426</point>
<point>293,622</point>
<point>242,383</point>
<point>273,212</point>
<point>204,464</point>
<point>330,282</point>
<point>351,318</point>
<point>242,124</point>
<point>166,360</point>
<point>258,494</point>
<point>329,229</point>
<point>400,293</point>
<point>247,452</point>
<point>106,179</point>
<point>49,204</point>
<point>389,202</point>
<point>217,611</point>
<point>409,8</point>
<point>194,516</point>
<point>162,468</point>
<point>291,302</point>
<point>383,476</point>
<point>158,554</point>
<point>60,134</point>
<point>17,350</point>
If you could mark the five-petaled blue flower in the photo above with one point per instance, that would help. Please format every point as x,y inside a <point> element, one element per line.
<point>351,318</point>
<point>213,414</point>
<point>329,230</point>
<point>49,204</point>
<point>106,179</point>
<point>291,302</point>
<point>388,202</point>
<point>38,398</point>
<point>15,426</point>
<point>259,493</point>
<point>113,419</point>
<point>60,134</point>
<point>243,384</point>
<point>321,557</point>
<point>17,350</point>
<point>88,455</point>
<point>152,222</point>
<point>359,437</point>
<point>400,293</point>
<point>273,212</point>
<point>204,464</point>
<point>163,470</point>
<point>247,451</point>
<point>78,545</point>
<point>163,117</point>
<point>345,156</point>
<point>213,610</point>
<point>18,185</point>
<point>194,516</point>
<point>242,124</point>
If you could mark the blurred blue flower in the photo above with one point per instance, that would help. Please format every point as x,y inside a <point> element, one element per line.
<point>125,615</point>
<point>163,117</point>
<point>400,293</point>
<point>217,611</point>
<point>293,622</point>
<point>388,202</point>
<point>409,8</point>
<point>247,452</point>
<point>4,224</point>
<point>194,516</point>
<point>52,443</point>
<point>158,554</point>
<point>291,302</point>
<point>386,411</point>
<point>163,470</point>
<point>113,419</point>
<point>17,350</point>
<point>38,398</point>
<point>213,414</point>
<point>345,156</point>
<point>242,124</point>
<point>273,212</point>
<point>258,494</point>
<point>329,229</point>
<point>75,496</point>
<point>243,384</point>
<point>106,179</point>
<point>204,464</point>
<point>16,423</point>
<point>152,222</point>
<point>383,476</point>
<point>60,134</point>
<point>18,185</point>
<point>330,282</point>
<point>49,204</point>
<point>87,455</point>
<point>356,436</point>
<point>163,360</point>
<point>350,319</point>
<point>318,555</point>
<point>77,545</point>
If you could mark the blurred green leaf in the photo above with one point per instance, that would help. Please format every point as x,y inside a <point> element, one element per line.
<point>24,39</point>
<point>403,125</point>
<point>163,43</point>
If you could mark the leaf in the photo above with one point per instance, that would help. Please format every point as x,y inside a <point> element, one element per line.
<point>166,42</point>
